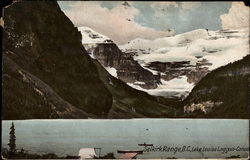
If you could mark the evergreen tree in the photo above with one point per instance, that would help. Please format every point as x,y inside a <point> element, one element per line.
<point>12,140</point>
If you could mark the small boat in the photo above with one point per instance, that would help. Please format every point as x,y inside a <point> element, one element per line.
<point>130,151</point>
<point>145,144</point>
<point>128,156</point>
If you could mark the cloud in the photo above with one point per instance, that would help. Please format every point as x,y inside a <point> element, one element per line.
<point>190,5</point>
<point>161,8</point>
<point>183,5</point>
<point>117,23</point>
<point>163,5</point>
<point>237,17</point>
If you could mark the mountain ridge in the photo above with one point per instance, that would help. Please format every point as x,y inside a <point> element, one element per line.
<point>47,73</point>
<point>189,56</point>
<point>222,93</point>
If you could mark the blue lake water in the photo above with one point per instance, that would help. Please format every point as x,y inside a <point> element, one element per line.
<point>66,137</point>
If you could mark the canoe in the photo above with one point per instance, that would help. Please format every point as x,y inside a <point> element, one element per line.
<point>130,151</point>
<point>145,144</point>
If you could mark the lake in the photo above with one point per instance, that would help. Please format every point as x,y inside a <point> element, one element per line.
<point>66,137</point>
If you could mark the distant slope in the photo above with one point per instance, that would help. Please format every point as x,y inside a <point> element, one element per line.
<point>129,103</point>
<point>223,93</point>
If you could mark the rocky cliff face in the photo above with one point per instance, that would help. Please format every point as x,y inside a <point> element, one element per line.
<point>46,48</point>
<point>110,56</point>
<point>47,73</point>
<point>223,93</point>
<point>128,70</point>
<point>171,70</point>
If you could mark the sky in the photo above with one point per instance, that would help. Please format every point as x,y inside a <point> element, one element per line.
<point>123,21</point>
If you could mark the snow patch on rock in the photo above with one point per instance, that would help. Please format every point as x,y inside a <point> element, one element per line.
<point>89,36</point>
<point>112,71</point>
<point>177,87</point>
<point>218,48</point>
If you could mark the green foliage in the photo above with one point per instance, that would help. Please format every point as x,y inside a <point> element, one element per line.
<point>12,140</point>
<point>23,154</point>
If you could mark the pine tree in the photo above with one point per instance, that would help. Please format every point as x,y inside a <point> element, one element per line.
<point>12,140</point>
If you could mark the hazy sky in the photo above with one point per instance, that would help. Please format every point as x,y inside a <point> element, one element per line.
<point>123,22</point>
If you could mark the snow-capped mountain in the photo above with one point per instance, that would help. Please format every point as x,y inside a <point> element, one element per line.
<point>118,64</point>
<point>91,38</point>
<point>184,59</point>
<point>169,66</point>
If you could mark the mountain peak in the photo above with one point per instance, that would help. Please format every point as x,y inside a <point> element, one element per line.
<point>90,36</point>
